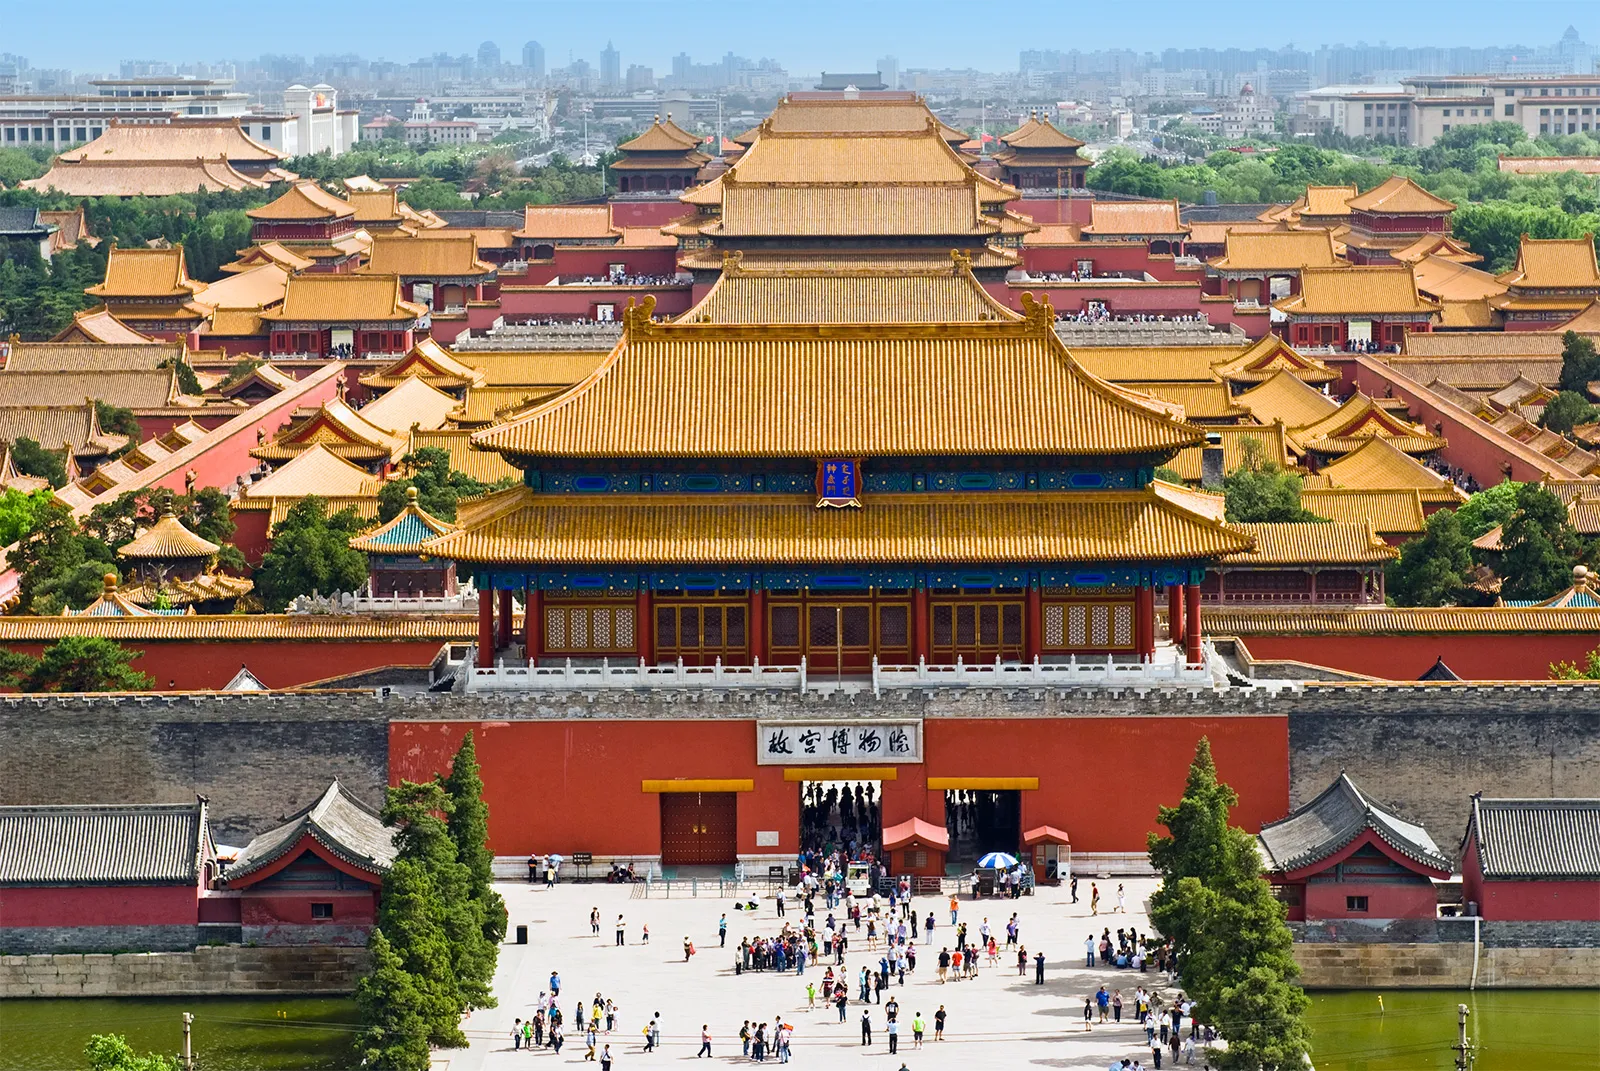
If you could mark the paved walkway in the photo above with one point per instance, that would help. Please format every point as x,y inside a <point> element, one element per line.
<point>999,1020</point>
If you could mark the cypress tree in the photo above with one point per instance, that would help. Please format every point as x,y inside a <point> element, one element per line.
<point>391,1006</point>
<point>469,828</point>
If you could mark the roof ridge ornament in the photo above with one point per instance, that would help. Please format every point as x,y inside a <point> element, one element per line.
<point>637,318</point>
<point>1038,313</point>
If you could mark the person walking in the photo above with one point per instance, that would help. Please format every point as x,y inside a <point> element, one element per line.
<point>1094,899</point>
<point>722,931</point>
<point>955,909</point>
<point>866,1027</point>
<point>621,932</point>
<point>1103,1000</point>
<point>1116,1006</point>
<point>1122,900</point>
<point>894,1037</point>
<point>744,1038</point>
<point>944,963</point>
<point>811,996</point>
<point>516,1036</point>
<point>1073,885</point>
<point>605,1058</point>
<point>839,1000</point>
<point>938,1024</point>
<point>1038,969</point>
<point>594,921</point>
<point>917,1027</point>
<point>705,1041</point>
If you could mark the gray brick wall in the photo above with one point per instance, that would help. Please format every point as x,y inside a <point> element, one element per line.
<point>31,940</point>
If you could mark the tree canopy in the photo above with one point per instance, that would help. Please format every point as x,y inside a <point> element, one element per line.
<point>111,1052</point>
<point>1539,546</point>
<point>1261,490</point>
<point>78,664</point>
<point>1434,569</point>
<point>311,552</point>
<point>438,485</point>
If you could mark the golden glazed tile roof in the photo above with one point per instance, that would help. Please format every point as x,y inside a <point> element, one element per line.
<point>1328,200</point>
<point>431,363</point>
<point>1586,322</point>
<point>269,253</point>
<point>146,273</point>
<point>167,539</point>
<point>1285,398</point>
<point>264,375</point>
<point>533,368</point>
<point>774,529</point>
<point>865,210</point>
<point>1400,194</point>
<point>338,428</point>
<point>1155,364</point>
<point>1277,251</point>
<point>903,261</point>
<point>1361,418</point>
<point>314,471</point>
<point>128,389</point>
<point>1134,219</point>
<point>412,404</point>
<point>872,114</point>
<point>1452,281</point>
<point>555,222</point>
<point>177,178</point>
<point>1216,232</point>
<point>1397,512</point>
<point>375,206</point>
<point>1554,263</point>
<point>1440,246</point>
<point>257,288</point>
<point>304,200</point>
<point>490,405</point>
<point>948,296</point>
<point>1380,466</point>
<point>98,325</point>
<point>1200,401</point>
<point>663,135</point>
<point>709,390</point>
<point>1313,543</point>
<point>385,628</point>
<point>1274,442</point>
<point>182,139</point>
<point>1269,356</point>
<point>1039,133</point>
<point>485,466</point>
<point>142,356</point>
<point>438,256</point>
<point>1398,621</point>
<point>330,298</point>
<point>1357,291</point>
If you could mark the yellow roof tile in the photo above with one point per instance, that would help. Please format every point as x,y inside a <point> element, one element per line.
<point>533,368</point>
<point>490,405</point>
<point>790,530</point>
<point>1284,397</point>
<point>1039,133</point>
<point>1379,466</point>
<point>1554,263</point>
<point>303,201</point>
<point>1437,245</point>
<point>556,222</point>
<point>315,471</point>
<point>167,538</point>
<point>948,296</point>
<point>99,325</point>
<point>1357,291</point>
<point>1277,251</point>
<point>440,256</point>
<point>1361,418</point>
<point>1397,512</point>
<point>1450,280</point>
<point>1399,621</point>
<point>1267,357</point>
<point>132,179</point>
<point>485,466</point>
<point>128,388</point>
<point>663,135</point>
<point>1328,200</point>
<point>872,114</point>
<point>1134,219</point>
<point>147,273</point>
<point>1200,401</point>
<point>1400,194</point>
<point>269,253</point>
<point>145,355</point>
<point>375,206</point>
<point>334,298</point>
<point>710,390</point>
<point>182,139</point>
<point>257,288</point>
<point>412,404</point>
<point>1155,364</point>
<point>429,361</point>
<point>1313,543</point>
<point>1274,447</point>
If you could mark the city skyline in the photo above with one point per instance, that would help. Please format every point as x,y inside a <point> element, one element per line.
<point>926,35</point>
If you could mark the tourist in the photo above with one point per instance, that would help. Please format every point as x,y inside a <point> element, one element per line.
<point>533,868</point>
<point>894,1036</point>
<point>1088,1012</point>
<point>705,1041</point>
<point>927,927</point>
<point>1116,1006</point>
<point>840,1000</point>
<point>1072,883</point>
<point>557,1038</point>
<point>605,1058</point>
<point>955,909</point>
<point>555,986</point>
<point>1102,1000</point>
<point>1088,947</point>
<point>1094,899</point>
<point>1122,900</point>
<point>918,1026</point>
<point>811,996</point>
<point>1013,929</point>
<point>590,1040</point>
<point>722,931</point>
<point>944,962</point>
<point>938,1024</point>
<point>516,1036</point>
<point>1038,969</point>
<point>866,1027</point>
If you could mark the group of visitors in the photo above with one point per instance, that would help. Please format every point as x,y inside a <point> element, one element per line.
<point>548,1026</point>
<point>835,819</point>
<point>1131,950</point>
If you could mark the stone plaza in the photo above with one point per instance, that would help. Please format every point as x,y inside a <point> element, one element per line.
<point>999,1019</point>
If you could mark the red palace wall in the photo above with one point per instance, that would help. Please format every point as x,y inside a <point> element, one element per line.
<point>578,302</point>
<point>1527,901</point>
<point>1485,656</point>
<point>648,213</point>
<point>589,798</point>
<point>108,905</point>
<point>1383,901</point>
<point>193,665</point>
<point>580,261</point>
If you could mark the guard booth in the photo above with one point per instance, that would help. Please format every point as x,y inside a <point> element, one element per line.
<point>1052,854</point>
<point>916,848</point>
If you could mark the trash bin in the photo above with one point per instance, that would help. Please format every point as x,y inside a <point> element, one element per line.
<point>522,935</point>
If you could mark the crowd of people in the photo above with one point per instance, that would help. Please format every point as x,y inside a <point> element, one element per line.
<point>837,819</point>
<point>1099,314</point>
<point>1455,474</point>
<point>547,1028</point>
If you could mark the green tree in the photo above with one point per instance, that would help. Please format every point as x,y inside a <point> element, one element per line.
<point>311,552</point>
<point>58,565</point>
<point>1579,364</point>
<point>1260,490</point>
<point>1432,570</point>
<point>1566,411</point>
<point>119,421</point>
<point>1571,671</point>
<point>438,485</point>
<point>83,664</point>
<point>19,512</point>
<point>394,1036</point>
<point>32,459</point>
<point>1235,951</point>
<point>1488,509</point>
<point>1539,546</point>
<point>111,1052</point>
<point>188,382</point>
<point>469,828</point>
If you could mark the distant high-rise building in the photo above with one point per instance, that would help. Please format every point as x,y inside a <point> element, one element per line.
<point>533,59</point>
<point>640,78</point>
<point>610,67</point>
<point>488,56</point>
<point>889,71</point>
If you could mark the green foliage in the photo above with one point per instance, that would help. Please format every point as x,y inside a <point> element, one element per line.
<point>188,382</point>
<point>311,552</point>
<point>1570,671</point>
<point>39,297</point>
<point>1433,569</point>
<point>240,370</point>
<point>438,486</point>
<point>1488,509</point>
<point>395,1032</point>
<point>443,170</point>
<point>1170,475</point>
<point>1260,490</point>
<point>1227,927</point>
<point>19,165</point>
<point>111,1052</point>
<point>120,421</point>
<point>1539,546</point>
<point>1580,366</point>
<point>469,828</point>
<point>19,512</point>
<point>32,459</point>
<point>1566,411</point>
<point>58,564</point>
<point>82,664</point>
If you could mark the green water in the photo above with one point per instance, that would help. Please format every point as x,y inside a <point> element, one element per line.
<point>244,1034</point>
<point>1514,1030</point>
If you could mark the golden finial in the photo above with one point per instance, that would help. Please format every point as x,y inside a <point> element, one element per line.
<point>1038,312</point>
<point>636,318</point>
<point>960,260</point>
<point>732,260</point>
<point>411,496</point>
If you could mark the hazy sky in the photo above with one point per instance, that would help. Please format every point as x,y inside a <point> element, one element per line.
<point>805,35</point>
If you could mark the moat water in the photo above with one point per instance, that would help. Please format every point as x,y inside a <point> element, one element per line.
<point>1537,1030</point>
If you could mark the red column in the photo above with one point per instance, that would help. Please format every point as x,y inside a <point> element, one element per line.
<point>919,624</point>
<point>1192,633</point>
<point>756,626</point>
<point>533,625</point>
<point>503,624</point>
<point>1033,628</point>
<point>644,627</point>
<point>485,629</point>
<point>1144,622</point>
<point>1175,613</point>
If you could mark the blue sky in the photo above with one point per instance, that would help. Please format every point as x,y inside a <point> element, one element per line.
<point>806,36</point>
